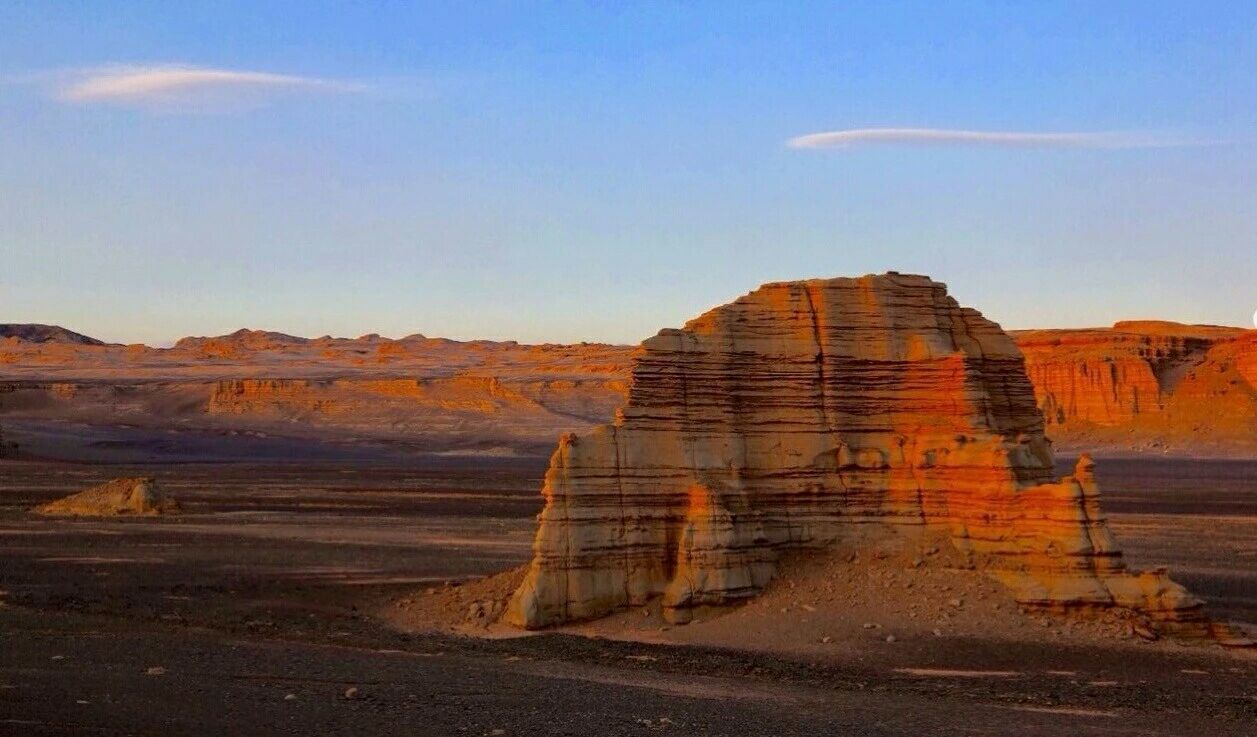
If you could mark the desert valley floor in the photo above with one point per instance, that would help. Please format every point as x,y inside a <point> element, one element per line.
<point>266,608</point>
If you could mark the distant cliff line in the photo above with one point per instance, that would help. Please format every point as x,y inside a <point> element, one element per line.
<point>1138,387</point>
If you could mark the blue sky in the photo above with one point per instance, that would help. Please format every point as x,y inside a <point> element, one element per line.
<point>562,172</point>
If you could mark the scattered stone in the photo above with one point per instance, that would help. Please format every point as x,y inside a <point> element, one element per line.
<point>126,496</point>
<point>890,638</point>
<point>352,693</point>
<point>156,670</point>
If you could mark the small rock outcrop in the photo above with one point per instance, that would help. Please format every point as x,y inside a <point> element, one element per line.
<point>129,496</point>
<point>812,412</point>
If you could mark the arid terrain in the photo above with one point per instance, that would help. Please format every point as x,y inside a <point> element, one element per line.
<point>254,394</point>
<point>257,609</point>
<point>600,369</point>
<point>1138,388</point>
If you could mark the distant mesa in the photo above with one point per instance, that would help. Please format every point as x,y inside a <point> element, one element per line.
<point>810,413</point>
<point>120,497</point>
<point>36,333</point>
<point>243,338</point>
<point>248,340</point>
<point>1178,329</point>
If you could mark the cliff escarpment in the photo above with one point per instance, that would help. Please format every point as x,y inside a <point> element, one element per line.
<point>1146,387</point>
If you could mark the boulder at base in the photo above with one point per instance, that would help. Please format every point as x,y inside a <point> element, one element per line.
<point>133,496</point>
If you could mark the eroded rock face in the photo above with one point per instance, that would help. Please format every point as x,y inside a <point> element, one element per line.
<point>1146,386</point>
<point>128,496</point>
<point>809,412</point>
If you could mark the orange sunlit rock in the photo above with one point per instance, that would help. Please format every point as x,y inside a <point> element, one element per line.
<point>1147,386</point>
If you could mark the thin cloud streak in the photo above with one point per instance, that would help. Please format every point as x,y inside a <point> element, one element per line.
<point>176,84</point>
<point>1009,139</point>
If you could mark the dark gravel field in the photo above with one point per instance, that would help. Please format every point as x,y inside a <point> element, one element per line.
<point>250,614</point>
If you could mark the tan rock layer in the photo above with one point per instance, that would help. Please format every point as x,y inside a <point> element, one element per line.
<point>805,413</point>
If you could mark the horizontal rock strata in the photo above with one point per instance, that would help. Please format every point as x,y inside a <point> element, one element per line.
<point>1146,386</point>
<point>806,413</point>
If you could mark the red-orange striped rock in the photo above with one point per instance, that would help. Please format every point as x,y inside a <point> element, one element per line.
<point>810,412</point>
<point>1147,386</point>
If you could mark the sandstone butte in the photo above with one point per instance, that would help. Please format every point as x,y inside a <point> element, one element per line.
<point>810,412</point>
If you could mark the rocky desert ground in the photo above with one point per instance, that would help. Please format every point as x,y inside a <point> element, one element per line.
<point>270,605</point>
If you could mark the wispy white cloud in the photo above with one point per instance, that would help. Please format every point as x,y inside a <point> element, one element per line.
<point>1013,139</point>
<point>179,86</point>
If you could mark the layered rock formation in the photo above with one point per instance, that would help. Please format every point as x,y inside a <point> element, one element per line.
<point>810,412</point>
<point>128,496</point>
<point>1146,386</point>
